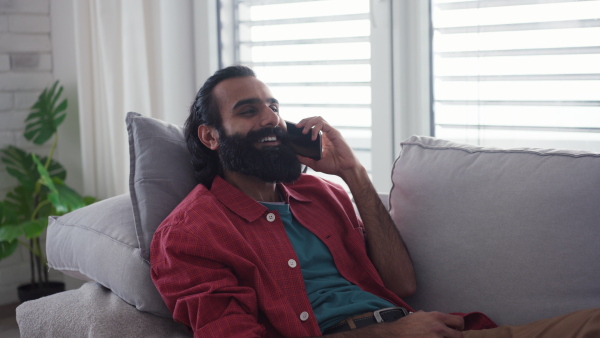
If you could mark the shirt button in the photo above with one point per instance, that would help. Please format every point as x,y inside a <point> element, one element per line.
<point>270,217</point>
<point>304,316</point>
<point>292,263</point>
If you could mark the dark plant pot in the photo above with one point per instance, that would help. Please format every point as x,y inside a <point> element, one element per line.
<point>33,291</point>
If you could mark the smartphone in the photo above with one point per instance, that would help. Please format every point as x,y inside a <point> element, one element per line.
<point>302,143</point>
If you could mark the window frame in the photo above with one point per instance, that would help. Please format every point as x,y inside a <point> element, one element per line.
<point>401,81</point>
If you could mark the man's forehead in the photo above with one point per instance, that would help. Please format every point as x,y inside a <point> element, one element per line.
<point>231,91</point>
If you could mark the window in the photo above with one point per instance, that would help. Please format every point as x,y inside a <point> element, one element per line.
<point>314,55</point>
<point>515,73</point>
<point>506,73</point>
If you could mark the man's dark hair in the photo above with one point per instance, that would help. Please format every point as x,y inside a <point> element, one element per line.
<point>205,110</point>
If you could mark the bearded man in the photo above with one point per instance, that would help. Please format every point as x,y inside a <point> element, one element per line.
<point>258,249</point>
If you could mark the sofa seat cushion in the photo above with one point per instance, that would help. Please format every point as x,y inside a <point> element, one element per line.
<point>513,233</point>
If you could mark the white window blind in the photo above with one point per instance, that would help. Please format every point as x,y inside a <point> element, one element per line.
<point>313,54</point>
<point>517,72</point>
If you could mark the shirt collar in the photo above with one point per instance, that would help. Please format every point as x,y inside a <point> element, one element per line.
<point>245,206</point>
<point>288,191</point>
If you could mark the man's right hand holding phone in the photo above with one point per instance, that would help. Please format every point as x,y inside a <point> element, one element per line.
<point>338,158</point>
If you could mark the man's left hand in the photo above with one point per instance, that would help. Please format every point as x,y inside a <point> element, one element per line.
<point>338,158</point>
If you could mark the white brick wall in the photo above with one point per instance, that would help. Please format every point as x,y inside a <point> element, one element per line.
<point>4,62</point>
<point>3,23</point>
<point>24,7</point>
<point>25,70</point>
<point>18,23</point>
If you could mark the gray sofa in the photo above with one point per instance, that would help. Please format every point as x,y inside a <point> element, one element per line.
<point>512,233</point>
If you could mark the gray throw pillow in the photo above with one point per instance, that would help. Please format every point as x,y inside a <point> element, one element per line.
<point>513,233</point>
<point>99,243</point>
<point>161,173</point>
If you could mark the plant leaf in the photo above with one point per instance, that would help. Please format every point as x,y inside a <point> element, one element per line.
<point>46,180</point>
<point>7,248</point>
<point>7,215</point>
<point>46,115</point>
<point>55,169</point>
<point>20,202</point>
<point>9,233</point>
<point>7,219</point>
<point>20,165</point>
<point>29,229</point>
<point>69,198</point>
<point>63,198</point>
<point>87,200</point>
<point>55,96</point>
<point>34,229</point>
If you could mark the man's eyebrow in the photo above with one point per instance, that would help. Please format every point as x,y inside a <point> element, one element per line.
<point>253,101</point>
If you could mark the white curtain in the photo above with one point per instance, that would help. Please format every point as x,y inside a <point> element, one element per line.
<point>132,55</point>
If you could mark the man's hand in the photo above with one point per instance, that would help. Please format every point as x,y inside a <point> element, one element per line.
<point>338,158</point>
<point>429,324</point>
<point>418,324</point>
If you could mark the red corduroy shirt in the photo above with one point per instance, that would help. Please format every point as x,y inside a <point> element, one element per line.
<point>225,267</point>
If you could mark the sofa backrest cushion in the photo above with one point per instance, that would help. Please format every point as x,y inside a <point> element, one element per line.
<point>161,173</point>
<point>513,233</point>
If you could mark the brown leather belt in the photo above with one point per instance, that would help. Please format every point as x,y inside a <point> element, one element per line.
<point>356,322</point>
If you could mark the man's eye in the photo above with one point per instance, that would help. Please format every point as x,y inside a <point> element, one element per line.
<point>275,109</point>
<point>248,112</point>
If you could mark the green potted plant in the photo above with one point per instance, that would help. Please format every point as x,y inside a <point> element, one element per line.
<point>41,192</point>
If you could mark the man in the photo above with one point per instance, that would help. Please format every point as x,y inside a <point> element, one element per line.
<point>260,250</point>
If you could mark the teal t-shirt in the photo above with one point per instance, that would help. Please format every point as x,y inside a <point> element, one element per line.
<point>332,297</point>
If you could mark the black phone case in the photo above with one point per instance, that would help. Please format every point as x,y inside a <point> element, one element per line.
<point>303,144</point>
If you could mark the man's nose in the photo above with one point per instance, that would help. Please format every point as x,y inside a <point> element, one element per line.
<point>269,117</point>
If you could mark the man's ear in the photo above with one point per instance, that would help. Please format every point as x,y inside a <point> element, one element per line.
<point>209,136</point>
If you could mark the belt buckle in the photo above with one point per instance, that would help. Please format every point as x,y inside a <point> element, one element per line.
<point>377,313</point>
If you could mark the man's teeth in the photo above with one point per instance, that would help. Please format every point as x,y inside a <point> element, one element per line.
<point>269,139</point>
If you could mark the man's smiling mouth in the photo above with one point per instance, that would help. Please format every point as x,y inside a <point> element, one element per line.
<point>268,139</point>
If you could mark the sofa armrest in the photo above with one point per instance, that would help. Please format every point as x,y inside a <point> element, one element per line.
<point>91,311</point>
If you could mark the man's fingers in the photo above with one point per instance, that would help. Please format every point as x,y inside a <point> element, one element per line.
<point>441,324</point>
<point>455,324</point>
<point>453,321</point>
<point>315,125</point>
<point>455,334</point>
<point>306,161</point>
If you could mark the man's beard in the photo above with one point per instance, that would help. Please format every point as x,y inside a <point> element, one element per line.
<point>269,164</point>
